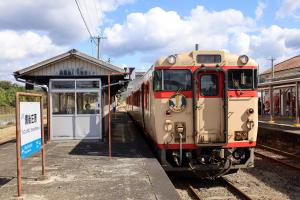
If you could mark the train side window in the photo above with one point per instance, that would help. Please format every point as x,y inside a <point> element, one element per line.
<point>157,80</point>
<point>208,85</point>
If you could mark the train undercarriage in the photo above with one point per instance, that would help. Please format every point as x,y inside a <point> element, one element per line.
<point>208,162</point>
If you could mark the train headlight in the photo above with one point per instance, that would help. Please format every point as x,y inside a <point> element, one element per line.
<point>250,110</point>
<point>243,59</point>
<point>168,126</point>
<point>171,59</point>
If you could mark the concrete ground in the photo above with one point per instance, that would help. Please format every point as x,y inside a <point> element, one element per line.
<point>82,170</point>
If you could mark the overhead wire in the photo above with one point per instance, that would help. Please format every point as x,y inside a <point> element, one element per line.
<point>85,23</point>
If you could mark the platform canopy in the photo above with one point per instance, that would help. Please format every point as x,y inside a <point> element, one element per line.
<point>72,64</point>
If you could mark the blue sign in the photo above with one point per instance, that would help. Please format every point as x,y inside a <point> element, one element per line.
<point>30,128</point>
<point>31,148</point>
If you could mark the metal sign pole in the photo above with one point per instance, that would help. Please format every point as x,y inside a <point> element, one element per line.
<point>43,135</point>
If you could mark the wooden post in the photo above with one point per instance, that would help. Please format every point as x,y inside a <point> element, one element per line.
<point>18,143</point>
<point>109,120</point>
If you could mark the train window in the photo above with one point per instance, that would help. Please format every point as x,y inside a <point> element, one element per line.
<point>208,58</point>
<point>208,85</point>
<point>157,80</point>
<point>172,80</point>
<point>242,79</point>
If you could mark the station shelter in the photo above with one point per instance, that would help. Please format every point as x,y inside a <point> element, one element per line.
<point>77,93</point>
<point>279,91</point>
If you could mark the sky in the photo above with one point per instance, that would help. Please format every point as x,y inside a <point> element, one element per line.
<point>140,31</point>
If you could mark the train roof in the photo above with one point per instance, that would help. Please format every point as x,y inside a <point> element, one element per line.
<point>190,59</point>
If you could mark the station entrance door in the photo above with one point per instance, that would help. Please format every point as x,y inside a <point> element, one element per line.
<point>75,109</point>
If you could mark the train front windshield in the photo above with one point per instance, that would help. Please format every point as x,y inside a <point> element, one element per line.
<point>172,80</point>
<point>242,79</point>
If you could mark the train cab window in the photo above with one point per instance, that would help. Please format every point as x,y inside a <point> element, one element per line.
<point>208,85</point>
<point>157,80</point>
<point>172,80</point>
<point>242,79</point>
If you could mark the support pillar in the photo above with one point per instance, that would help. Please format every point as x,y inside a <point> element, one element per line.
<point>271,105</point>
<point>262,103</point>
<point>297,104</point>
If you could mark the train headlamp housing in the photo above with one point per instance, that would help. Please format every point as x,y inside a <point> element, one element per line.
<point>171,59</point>
<point>250,110</point>
<point>243,59</point>
<point>168,126</point>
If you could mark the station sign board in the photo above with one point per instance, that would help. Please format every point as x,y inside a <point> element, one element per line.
<point>29,131</point>
<point>30,128</point>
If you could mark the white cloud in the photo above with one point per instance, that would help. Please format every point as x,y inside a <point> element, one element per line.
<point>60,20</point>
<point>260,10</point>
<point>24,48</point>
<point>166,31</point>
<point>159,32</point>
<point>22,45</point>
<point>288,8</point>
<point>33,30</point>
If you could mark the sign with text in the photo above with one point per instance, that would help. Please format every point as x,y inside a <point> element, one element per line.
<point>30,128</point>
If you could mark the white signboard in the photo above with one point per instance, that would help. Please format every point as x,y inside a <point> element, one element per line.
<point>30,128</point>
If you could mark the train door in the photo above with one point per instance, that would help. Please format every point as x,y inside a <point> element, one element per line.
<point>209,108</point>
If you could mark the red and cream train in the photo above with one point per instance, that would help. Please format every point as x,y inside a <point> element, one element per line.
<point>200,111</point>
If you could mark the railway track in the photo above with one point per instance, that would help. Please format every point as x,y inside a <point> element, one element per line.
<point>289,160</point>
<point>234,190</point>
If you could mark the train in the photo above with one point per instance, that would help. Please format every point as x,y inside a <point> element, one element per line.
<point>199,109</point>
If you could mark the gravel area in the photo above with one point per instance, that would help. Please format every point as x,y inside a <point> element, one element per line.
<point>267,181</point>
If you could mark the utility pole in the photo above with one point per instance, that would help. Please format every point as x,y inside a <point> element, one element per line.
<point>272,63</point>
<point>98,38</point>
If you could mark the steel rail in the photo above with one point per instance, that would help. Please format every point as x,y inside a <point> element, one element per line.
<point>278,161</point>
<point>235,189</point>
<point>284,153</point>
<point>195,192</point>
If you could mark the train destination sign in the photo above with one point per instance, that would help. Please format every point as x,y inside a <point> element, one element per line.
<point>30,128</point>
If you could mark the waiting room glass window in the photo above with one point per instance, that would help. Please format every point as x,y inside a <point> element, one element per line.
<point>63,103</point>
<point>87,84</point>
<point>208,85</point>
<point>87,103</point>
<point>63,85</point>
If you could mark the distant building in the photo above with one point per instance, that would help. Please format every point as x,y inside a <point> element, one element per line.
<point>285,69</point>
<point>284,87</point>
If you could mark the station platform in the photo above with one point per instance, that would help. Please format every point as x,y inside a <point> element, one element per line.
<point>83,170</point>
<point>280,134</point>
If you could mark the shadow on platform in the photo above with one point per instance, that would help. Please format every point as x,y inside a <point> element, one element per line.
<point>127,141</point>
